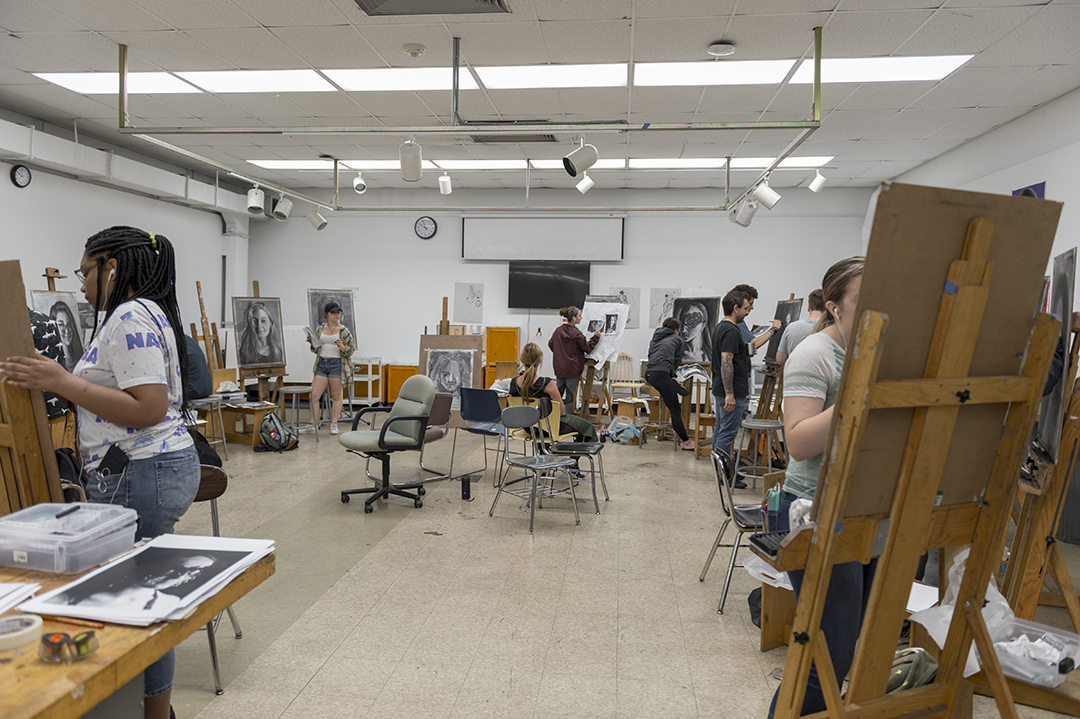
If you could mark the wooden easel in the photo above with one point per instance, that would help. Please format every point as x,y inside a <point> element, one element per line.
<point>263,374</point>
<point>27,462</point>
<point>894,482</point>
<point>209,336</point>
<point>52,274</point>
<point>444,323</point>
<point>586,394</point>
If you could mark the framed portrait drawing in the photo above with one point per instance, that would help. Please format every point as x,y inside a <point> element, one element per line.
<point>698,317</point>
<point>318,299</point>
<point>260,339</point>
<point>64,310</point>
<point>452,362</point>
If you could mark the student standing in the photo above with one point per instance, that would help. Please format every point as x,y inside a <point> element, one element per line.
<point>665,355</point>
<point>731,373</point>
<point>568,349</point>
<point>332,365</point>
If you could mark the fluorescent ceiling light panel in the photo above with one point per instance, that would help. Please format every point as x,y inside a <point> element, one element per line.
<point>601,164</point>
<point>760,163</point>
<point>401,79</point>
<point>108,83</point>
<point>481,164</point>
<point>259,81</point>
<point>880,69</point>
<point>528,77</point>
<point>677,163</point>
<point>293,164</point>
<point>724,72</point>
<point>804,162</point>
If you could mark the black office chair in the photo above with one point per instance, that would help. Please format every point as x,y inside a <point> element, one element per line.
<point>482,415</point>
<point>402,431</point>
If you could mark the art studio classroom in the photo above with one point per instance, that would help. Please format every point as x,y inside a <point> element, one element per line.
<point>422,256</point>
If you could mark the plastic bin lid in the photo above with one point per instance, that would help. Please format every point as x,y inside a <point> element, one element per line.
<point>76,521</point>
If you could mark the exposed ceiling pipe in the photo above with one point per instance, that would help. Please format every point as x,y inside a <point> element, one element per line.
<point>455,119</point>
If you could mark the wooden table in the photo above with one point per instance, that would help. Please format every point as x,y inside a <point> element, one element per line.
<point>32,688</point>
<point>241,414</point>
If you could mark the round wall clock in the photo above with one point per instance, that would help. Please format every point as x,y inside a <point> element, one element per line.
<point>20,175</point>
<point>425,228</point>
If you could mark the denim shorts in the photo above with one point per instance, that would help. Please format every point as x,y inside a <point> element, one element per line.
<point>160,489</point>
<point>328,367</point>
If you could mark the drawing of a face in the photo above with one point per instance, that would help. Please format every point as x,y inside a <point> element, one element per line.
<point>693,321</point>
<point>63,322</point>
<point>260,324</point>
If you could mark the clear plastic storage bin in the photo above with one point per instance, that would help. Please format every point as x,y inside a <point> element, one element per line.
<point>1036,653</point>
<point>65,538</point>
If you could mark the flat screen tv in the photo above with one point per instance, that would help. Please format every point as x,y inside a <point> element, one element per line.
<point>547,285</point>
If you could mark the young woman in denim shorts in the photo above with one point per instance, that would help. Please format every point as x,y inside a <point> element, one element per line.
<point>332,365</point>
<point>128,387</point>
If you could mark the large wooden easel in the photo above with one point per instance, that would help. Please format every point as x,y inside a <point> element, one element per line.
<point>208,336</point>
<point>929,431</point>
<point>27,463</point>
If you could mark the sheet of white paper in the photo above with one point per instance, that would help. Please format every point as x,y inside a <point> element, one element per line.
<point>610,319</point>
<point>630,296</point>
<point>922,596</point>
<point>661,304</point>
<point>469,302</point>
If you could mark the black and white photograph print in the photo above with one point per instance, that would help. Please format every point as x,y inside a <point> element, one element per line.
<point>450,370</point>
<point>469,302</point>
<point>64,310</point>
<point>317,301</point>
<point>594,325</point>
<point>787,311</point>
<point>630,296</point>
<point>260,341</point>
<point>1061,305</point>
<point>698,317</point>
<point>611,323</point>
<point>661,305</point>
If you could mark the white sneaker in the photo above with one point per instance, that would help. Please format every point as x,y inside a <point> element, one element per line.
<point>333,428</point>
<point>306,429</point>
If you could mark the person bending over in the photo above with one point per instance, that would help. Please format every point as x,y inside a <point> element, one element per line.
<point>665,354</point>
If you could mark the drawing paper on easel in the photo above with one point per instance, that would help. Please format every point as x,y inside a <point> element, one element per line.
<point>469,302</point>
<point>610,319</point>
<point>450,370</point>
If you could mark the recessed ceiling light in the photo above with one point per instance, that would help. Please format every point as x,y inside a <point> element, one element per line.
<point>258,81</point>
<point>601,164</point>
<point>108,83</point>
<point>480,164</point>
<point>736,72</point>
<point>400,79</point>
<point>677,163</point>
<point>880,69</point>
<point>521,77</point>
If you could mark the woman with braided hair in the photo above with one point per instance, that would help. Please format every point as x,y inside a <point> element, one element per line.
<point>128,388</point>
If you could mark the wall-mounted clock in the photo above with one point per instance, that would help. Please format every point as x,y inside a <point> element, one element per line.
<point>20,175</point>
<point>425,228</point>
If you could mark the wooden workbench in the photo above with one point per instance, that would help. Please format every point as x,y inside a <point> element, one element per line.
<point>34,689</point>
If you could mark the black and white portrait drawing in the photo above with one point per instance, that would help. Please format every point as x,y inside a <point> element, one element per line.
<point>630,296</point>
<point>698,317</point>
<point>787,311</point>
<point>1061,305</point>
<point>450,370</point>
<point>595,325</point>
<point>469,302</point>
<point>318,299</point>
<point>63,309</point>
<point>661,305</point>
<point>611,323</point>
<point>260,341</point>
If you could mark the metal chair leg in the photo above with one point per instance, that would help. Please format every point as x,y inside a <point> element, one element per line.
<point>715,546</point>
<point>730,569</point>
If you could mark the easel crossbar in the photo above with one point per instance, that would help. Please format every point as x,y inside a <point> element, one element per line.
<point>958,391</point>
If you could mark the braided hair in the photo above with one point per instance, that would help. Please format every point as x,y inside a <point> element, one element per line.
<point>146,268</point>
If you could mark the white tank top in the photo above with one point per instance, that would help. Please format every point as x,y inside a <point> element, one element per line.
<point>329,347</point>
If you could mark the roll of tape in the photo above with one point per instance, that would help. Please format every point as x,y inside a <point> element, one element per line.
<point>19,630</point>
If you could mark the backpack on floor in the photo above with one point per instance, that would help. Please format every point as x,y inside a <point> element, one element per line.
<point>277,435</point>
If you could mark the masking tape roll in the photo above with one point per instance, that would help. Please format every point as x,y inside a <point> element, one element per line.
<point>19,630</point>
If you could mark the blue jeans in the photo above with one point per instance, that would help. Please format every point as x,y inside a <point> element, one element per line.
<point>328,367</point>
<point>160,489</point>
<point>727,423</point>
<point>841,619</point>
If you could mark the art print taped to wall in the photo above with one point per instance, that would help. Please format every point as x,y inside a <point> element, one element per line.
<point>661,305</point>
<point>260,338</point>
<point>317,301</point>
<point>630,296</point>
<point>787,311</point>
<point>450,370</point>
<point>64,310</point>
<point>469,302</point>
<point>698,317</point>
<point>1061,305</point>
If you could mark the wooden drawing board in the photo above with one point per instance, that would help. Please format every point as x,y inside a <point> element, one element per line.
<point>917,233</point>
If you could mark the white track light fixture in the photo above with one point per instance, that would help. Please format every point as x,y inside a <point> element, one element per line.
<point>358,184</point>
<point>445,188</point>
<point>766,195</point>
<point>255,201</point>
<point>412,164</point>
<point>282,209</point>
<point>818,182</point>
<point>580,160</point>
<point>317,221</point>
<point>743,213</point>
<point>585,185</point>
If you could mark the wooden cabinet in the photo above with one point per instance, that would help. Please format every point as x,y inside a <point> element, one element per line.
<point>502,345</point>
<point>394,375</point>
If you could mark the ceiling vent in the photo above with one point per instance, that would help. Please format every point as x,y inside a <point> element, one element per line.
<point>431,7</point>
<point>511,138</point>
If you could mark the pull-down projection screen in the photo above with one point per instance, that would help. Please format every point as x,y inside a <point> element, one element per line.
<point>583,238</point>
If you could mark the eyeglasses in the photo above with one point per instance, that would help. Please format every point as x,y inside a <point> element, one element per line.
<point>80,274</point>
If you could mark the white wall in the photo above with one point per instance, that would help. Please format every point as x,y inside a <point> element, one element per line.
<point>47,225</point>
<point>401,279</point>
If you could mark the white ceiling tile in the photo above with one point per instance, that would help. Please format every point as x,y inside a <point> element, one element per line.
<point>526,104</point>
<point>667,100</point>
<point>704,9</point>
<point>248,48</point>
<point>654,149</point>
<point>470,103</point>
<point>747,98</point>
<point>25,55</point>
<point>914,124</point>
<point>681,39</point>
<point>846,169</point>
<point>861,5</point>
<point>13,76</point>
<point>586,42</point>
<point>168,50</point>
<point>107,14</point>
<point>1044,38</point>
<point>774,37</point>
<point>869,34</point>
<point>764,7</point>
<point>68,103</point>
<point>149,106</point>
<point>384,104</point>
<point>710,149</point>
<point>886,95</point>
<point>851,124</point>
<point>976,122</point>
<point>1043,86</point>
<point>330,48</point>
<point>495,44</point>
<point>337,105</point>
<point>188,15</point>
<point>35,17</point>
<point>973,86</point>
<point>923,150</point>
<point>204,105</point>
<point>574,10</point>
<point>264,105</point>
<point>283,13</point>
<point>965,31</point>
<point>889,169</point>
<point>870,150</point>
<point>90,49</point>
<point>800,98</point>
<point>605,103</point>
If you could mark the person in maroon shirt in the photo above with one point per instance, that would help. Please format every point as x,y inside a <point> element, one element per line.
<point>568,349</point>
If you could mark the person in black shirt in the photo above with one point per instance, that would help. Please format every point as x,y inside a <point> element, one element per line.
<point>47,342</point>
<point>665,355</point>
<point>731,371</point>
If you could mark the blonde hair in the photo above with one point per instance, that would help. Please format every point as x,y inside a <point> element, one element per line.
<point>531,358</point>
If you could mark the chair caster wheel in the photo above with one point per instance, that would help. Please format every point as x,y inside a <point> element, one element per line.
<point>421,491</point>
<point>368,509</point>
<point>418,503</point>
<point>344,498</point>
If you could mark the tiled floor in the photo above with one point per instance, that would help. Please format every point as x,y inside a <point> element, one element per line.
<point>446,612</point>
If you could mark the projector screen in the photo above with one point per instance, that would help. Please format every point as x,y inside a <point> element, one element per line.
<point>580,238</point>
